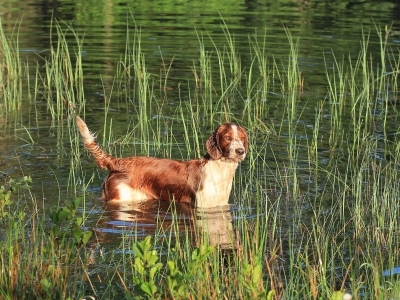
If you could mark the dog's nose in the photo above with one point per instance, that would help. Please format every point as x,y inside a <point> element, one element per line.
<point>239,151</point>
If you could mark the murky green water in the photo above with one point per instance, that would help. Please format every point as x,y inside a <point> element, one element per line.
<point>170,32</point>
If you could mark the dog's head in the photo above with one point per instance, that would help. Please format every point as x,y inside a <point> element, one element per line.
<point>228,141</point>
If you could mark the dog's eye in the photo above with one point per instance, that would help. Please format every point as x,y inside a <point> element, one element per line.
<point>228,138</point>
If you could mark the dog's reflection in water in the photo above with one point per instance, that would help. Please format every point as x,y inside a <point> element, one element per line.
<point>215,225</point>
<point>212,226</point>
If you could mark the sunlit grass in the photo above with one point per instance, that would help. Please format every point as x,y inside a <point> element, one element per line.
<point>303,228</point>
<point>62,81</point>
<point>10,73</point>
<point>39,259</point>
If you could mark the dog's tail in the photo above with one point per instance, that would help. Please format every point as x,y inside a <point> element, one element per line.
<point>101,157</point>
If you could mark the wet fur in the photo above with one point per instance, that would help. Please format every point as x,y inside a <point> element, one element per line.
<point>203,182</point>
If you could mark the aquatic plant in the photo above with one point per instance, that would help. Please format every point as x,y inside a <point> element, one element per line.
<point>11,185</point>
<point>10,72</point>
<point>41,262</point>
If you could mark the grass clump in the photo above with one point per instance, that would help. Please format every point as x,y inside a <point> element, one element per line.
<point>11,71</point>
<point>41,261</point>
<point>199,272</point>
<point>62,82</point>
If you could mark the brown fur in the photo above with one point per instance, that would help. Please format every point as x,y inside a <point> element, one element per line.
<point>146,178</point>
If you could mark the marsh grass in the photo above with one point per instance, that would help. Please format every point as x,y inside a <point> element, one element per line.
<point>307,226</point>
<point>11,71</point>
<point>41,261</point>
<point>61,82</point>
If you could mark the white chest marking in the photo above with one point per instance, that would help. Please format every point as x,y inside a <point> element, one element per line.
<point>217,183</point>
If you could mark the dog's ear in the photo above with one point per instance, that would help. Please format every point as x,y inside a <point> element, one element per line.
<point>212,145</point>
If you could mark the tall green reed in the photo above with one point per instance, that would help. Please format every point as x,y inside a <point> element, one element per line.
<point>62,81</point>
<point>135,65</point>
<point>291,94</point>
<point>11,73</point>
<point>362,96</point>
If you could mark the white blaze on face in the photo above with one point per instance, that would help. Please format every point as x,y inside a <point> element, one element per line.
<point>236,142</point>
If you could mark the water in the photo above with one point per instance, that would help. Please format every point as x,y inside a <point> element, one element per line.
<point>170,34</point>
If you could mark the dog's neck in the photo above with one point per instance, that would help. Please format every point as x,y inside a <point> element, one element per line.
<point>216,182</point>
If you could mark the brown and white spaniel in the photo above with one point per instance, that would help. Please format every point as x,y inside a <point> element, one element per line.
<point>203,182</point>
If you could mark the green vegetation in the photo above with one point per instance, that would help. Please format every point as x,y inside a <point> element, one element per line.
<point>318,227</point>
<point>40,260</point>
<point>10,72</point>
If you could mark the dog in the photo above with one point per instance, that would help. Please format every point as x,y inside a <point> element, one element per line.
<point>203,182</point>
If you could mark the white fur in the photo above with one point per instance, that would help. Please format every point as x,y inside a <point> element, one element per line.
<point>347,296</point>
<point>216,180</point>
<point>126,193</point>
<point>87,136</point>
<point>236,142</point>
